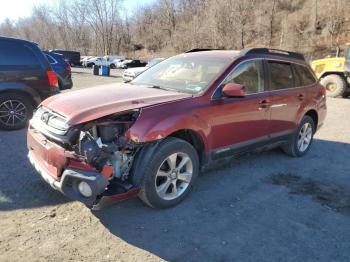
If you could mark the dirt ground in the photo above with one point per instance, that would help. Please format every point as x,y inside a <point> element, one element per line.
<point>261,207</point>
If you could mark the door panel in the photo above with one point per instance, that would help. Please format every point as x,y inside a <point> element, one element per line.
<point>286,100</point>
<point>237,120</point>
<point>285,105</point>
<point>242,119</point>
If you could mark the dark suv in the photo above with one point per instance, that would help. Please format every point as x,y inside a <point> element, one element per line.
<point>26,78</point>
<point>150,137</point>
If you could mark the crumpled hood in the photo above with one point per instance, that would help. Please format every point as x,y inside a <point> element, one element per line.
<point>96,102</point>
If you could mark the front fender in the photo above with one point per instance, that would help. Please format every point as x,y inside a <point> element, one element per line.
<point>155,123</point>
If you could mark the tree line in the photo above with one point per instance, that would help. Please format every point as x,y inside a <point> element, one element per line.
<point>166,27</point>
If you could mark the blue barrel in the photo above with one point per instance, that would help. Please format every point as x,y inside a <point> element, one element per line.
<point>105,70</point>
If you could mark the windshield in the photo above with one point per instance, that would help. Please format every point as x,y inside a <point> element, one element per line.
<point>347,53</point>
<point>154,62</point>
<point>187,74</point>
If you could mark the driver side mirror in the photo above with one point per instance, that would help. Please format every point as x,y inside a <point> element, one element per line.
<point>234,90</point>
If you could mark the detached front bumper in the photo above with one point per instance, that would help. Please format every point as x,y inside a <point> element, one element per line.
<point>64,173</point>
<point>68,184</point>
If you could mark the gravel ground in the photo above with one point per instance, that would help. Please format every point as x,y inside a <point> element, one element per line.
<point>261,207</point>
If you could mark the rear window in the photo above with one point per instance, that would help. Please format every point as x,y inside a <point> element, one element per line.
<point>281,75</point>
<point>17,54</point>
<point>51,60</point>
<point>305,76</point>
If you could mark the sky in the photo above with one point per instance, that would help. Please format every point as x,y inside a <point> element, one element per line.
<point>14,9</point>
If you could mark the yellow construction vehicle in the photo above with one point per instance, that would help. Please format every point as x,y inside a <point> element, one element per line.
<point>334,73</point>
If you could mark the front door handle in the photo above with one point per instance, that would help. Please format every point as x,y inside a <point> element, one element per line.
<point>264,104</point>
<point>301,96</point>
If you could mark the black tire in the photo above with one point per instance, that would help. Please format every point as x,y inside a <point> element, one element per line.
<point>23,107</point>
<point>112,66</point>
<point>335,85</point>
<point>169,146</point>
<point>292,148</point>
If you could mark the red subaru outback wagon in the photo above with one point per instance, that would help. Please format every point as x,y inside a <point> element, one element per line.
<point>150,137</point>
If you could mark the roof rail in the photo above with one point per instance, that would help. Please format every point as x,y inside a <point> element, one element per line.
<point>201,49</point>
<point>269,51</point>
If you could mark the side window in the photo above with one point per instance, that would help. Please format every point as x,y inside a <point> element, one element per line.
<point>306,78</point>
<point>347,53</point>
<point>281,75</point>
<point>17,54</point>
<point>250,74</point>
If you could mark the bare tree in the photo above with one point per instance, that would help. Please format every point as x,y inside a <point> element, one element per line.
<point>170,26</point>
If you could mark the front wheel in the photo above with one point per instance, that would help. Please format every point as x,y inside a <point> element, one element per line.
<point>301,141</point>
<point>170,175</point>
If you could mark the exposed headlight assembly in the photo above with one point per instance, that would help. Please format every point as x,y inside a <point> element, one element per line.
<point>45,119</point>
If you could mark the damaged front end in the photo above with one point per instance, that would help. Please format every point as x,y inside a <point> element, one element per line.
<point>89,162</point>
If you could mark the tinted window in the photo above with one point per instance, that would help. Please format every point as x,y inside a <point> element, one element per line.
<point>306,78</point>
<point>250,74</point>
<point>281,75</point>
<point>13,53</point>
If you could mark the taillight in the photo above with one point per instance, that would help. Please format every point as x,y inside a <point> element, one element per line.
<point>51,76</point>
<point>68,68</point>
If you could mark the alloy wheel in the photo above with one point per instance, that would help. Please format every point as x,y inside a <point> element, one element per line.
<point>12,113</point>
<point>305,137</point>
<point>174,176</point>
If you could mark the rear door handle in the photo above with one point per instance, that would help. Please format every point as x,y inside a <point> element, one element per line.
<point>301,97</point>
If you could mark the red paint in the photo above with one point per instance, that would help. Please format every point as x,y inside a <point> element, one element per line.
<point>217,122</point>
<point>107,171</point>
<point>119,197</point>
<point>234,90</point>
<point>92,103</point>
<point>49,156</point>
<point>79,165</point>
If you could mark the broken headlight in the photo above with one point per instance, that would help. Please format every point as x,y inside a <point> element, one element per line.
<point>45,119</point>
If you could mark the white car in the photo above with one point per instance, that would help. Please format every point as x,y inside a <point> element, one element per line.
<point>84,59</point>
<point>121,63</point>
<point>95,61</point>
<point>131,73</point>
<point>112,60</point>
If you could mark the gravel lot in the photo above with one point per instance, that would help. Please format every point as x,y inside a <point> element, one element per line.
<point>261,207</point>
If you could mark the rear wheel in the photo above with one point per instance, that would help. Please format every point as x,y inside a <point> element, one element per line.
<point>302,139</point>
<point>335,85</point>
<point>170,175</point>
<point>15,111</point>
<point>112,66</point>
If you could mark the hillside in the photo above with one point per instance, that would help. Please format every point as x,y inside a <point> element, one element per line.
<point>313,27</point>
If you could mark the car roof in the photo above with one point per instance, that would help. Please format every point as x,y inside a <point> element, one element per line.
<point>233,55</point>
<point>17,40</point>
<point>220,54</point>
